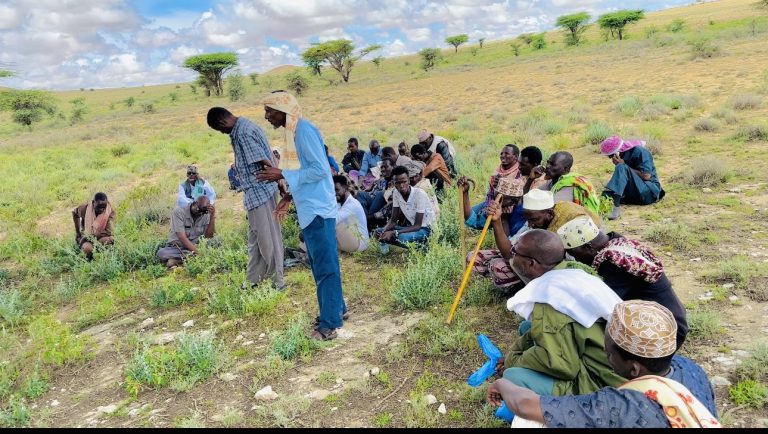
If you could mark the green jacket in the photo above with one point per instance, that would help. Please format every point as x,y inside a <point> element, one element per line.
<point>558,346</point>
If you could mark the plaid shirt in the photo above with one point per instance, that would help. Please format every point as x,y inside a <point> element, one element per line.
<point>251,146</point>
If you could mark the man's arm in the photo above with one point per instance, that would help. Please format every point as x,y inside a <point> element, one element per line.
<point>210,231</point>
<point>396,214</point>
<point>502,242</point>
<point>189,245</point>
<point>643,175</point>
<point>312,151</point>
<point>76,219</point>
<point>553,353</point>
<point>416,225</point>
<point>521,401</point>
<point>463,185</point>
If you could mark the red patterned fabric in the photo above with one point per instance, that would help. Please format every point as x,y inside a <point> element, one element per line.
<point>631,256</point>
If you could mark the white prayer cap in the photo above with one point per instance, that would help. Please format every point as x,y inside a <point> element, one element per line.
<point>578,232</point>
<point>537,200</point>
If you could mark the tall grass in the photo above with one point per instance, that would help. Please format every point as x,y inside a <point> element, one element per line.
<point>426,277</point>
<point>293,342</point>
<point>706,172</point>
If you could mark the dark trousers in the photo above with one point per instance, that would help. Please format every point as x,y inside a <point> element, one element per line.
<point>631,187</point>
<point>320,239</point>
<point>371,203</point>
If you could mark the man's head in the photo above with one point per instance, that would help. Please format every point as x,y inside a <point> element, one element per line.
<point>530,157</point>
<point>221,120</point>
<point>276,104</point>
<point>199,206</point>
<point>401,181</point>
<point>99,203</point>
<point>425,138</point>
<point>389,153</point>
<point>582,239</point>
<point>509,155</point>
<point>386,167</point>
<point>402,149</point>
<point>192,174</point>
<point>374,147</point>
<point>415,172</point>
<point>419,152</point>
<point>341,185</point>
<point>640,338</point>
<point>538,208</point>
<point>352,145</point>
<point>558,164</point>
<point>537,252</point>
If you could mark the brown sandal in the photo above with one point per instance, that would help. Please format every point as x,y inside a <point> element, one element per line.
<point>323,334</point>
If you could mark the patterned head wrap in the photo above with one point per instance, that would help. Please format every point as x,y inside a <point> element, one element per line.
<point>423,135</point>
<point>414,168</point>
<point>578,232</point>
<point>643,328</point>
<point>286,103</point>
<point>615,144</point>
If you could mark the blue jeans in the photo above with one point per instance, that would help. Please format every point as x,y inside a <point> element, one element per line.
<point>631,187</point>
<point>477,217</point>
<point>528,378</point>
<point>371,202</point>
<point>320,239</point>
<point>419,237</point>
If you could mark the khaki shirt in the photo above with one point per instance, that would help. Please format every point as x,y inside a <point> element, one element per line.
<point>79,212</point>
<point>182,221</point>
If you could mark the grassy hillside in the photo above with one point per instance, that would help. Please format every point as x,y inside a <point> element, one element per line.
<point>103,343</point>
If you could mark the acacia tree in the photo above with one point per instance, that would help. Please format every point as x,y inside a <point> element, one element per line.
<point>5,73</point>
<point>615,22</point>
<point>211,68</point>
<point>296,83</point>
<point>481,41</point>
<point>339,55</point>
<point>456,41</point>
<point>429,58</point>
<point>314,59</point>
<point>27,106</point>
<point>573,25</point>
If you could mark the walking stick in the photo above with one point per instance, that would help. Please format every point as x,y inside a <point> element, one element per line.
<point>462,229</point>
<point>507,187</point>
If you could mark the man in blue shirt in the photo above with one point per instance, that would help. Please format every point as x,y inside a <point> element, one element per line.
<point>370,160</point>
<point>251,148</point>
<point>634,179</point>
<point>311,188</point>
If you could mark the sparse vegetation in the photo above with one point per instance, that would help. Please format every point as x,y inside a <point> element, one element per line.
<point>704,325</point>
<point>676,236</point>
<point>703,48</point>
<point>429,58</point>
<point>746,102</point>
<point>706,124</point>
<point>749,393</point>
<point>706,172</point>
<point>597,132</point>
<point>235,86</point>
<point>296,83</point>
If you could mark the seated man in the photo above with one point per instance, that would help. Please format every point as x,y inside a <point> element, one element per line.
<point>634,179</point>
<point>94,222</point>
<point>188,224</point>
<point>531,169</point>
<point>353,160</point>
<point>234,182</point>
<point>412,214</point>
<point>628,267</point>
<point>560,350</point>
<point>540,212</point>
<point>403,149</point>
<point>351,227</point>
<point>438,145</point>
<point>371,159</point>
<point>193,187</point>
<point>435,170</point>
<point>568,186</point>
<point>373,199</point>
<point>397,159</point>
<point>663,391</point>
<point>415,172</point>
<point>332,162</point>
<point>512,214</point>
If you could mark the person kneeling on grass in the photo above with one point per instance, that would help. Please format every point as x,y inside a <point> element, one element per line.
<point>96,218</point>
<point>351,228</point>
<point>188,224</point>
<point>663,391</point>
<point>412,214</point>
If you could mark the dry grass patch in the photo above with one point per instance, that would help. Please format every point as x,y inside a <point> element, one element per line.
<point>746,102</point>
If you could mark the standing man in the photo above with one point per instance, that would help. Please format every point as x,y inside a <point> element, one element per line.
<point>634,179</point>
<point>252,153</point>
<point>312,188</point>
<point>93,223</point>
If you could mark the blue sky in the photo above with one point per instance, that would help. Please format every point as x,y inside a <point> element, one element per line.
<point>68,44</point>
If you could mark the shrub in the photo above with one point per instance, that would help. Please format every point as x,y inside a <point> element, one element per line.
<point>293,342</point>
<point>432,337</point>
<point>235,87</point>
<point>173,96</point>
<point>235,302</point>
<point>16,414</point>
<point>429,58</point>
<point>746,102</point>
<point>424,281</point>
<point>539,42</point>
<point>676,26</point>
<point>703,48</point>
<point>704,324</point>
<point>706,124</point>
<point>597,132</point>
<point>54,341</point>
<point>748,393</point>
<point>11,306</point>
<point>628,106</point>
<point>120,150</point>
<point>753,133</point>
<point>254,76</point>
<point>676,236</point>
<point>130,101</point>
<point>579,114</point>
<point>706,172</point>
<point>652,111</point>
<point>168,292</point>
<point>297,83</point>
<point>147,107</point>
<point>145,205</point>
<point>78,110</point>
<point>727,115</point>
<point>651,31</point>
<point>755,367</point>
<point>515,48</point>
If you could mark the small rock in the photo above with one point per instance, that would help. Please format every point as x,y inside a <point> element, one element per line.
<point>246,343</point>
<point>188,324</point>
<point>367,374</point>
<point>228,376</point>
<point>334,408</point>
<point>720,381</point>
<point>375,371</point>
<point>706,190</point>
<point>734,190</point>
<point>339,381</point>
<point>668,253</point>
<point>107,409</point>
<point>212,316</point>
<point>146,323</point>
<point>431,399</point>
<point>450,390</point>
<point>165,338</point>
<point>239,338</point>
<point>262,336</point>
<point>707,296</point>
<point>763,423</point>
<point>194,289</point>
<point>442,409</point>
<point>55,403</point>
<point>318,394</point>
<point>266,394</point>
<point>695,259</point>
<point>733,298</point>
<point>728,285</point>
<point>740,353</point>
<point>168,400</point>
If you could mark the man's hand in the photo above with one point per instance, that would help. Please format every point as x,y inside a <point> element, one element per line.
<point>386,236</point>
<point>500,366</point>
<point>493,396</point>
<point>211,209</point>
<point>282,209</point>
<point>269,174</point>
<point>494,210</point>
<point>536,172</point>
<point>282,186</point>
<point>615,159</point>
<point>463,184</point>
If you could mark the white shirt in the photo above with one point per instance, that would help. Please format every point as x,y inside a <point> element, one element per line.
<point>436,141</point>
<point>352,208</point>
<point>418,203</point>
<point>182,199</point>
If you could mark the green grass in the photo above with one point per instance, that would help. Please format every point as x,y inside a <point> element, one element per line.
<point>55,342</point>
<point>168,293</point>
<point>12,306</point>
<point>382,420</point>
<point>704,324</point>
<point>676,236</point>
<point>426,276</point>
<point>432,337</point>
<point>596,132</point>
<point>748,393</point>
<point>754,367</point>
<point>234,302</point>
<point>294,342</point>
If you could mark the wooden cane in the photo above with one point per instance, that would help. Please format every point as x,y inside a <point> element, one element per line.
<point>471,263</point>
<point>462,227</point>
